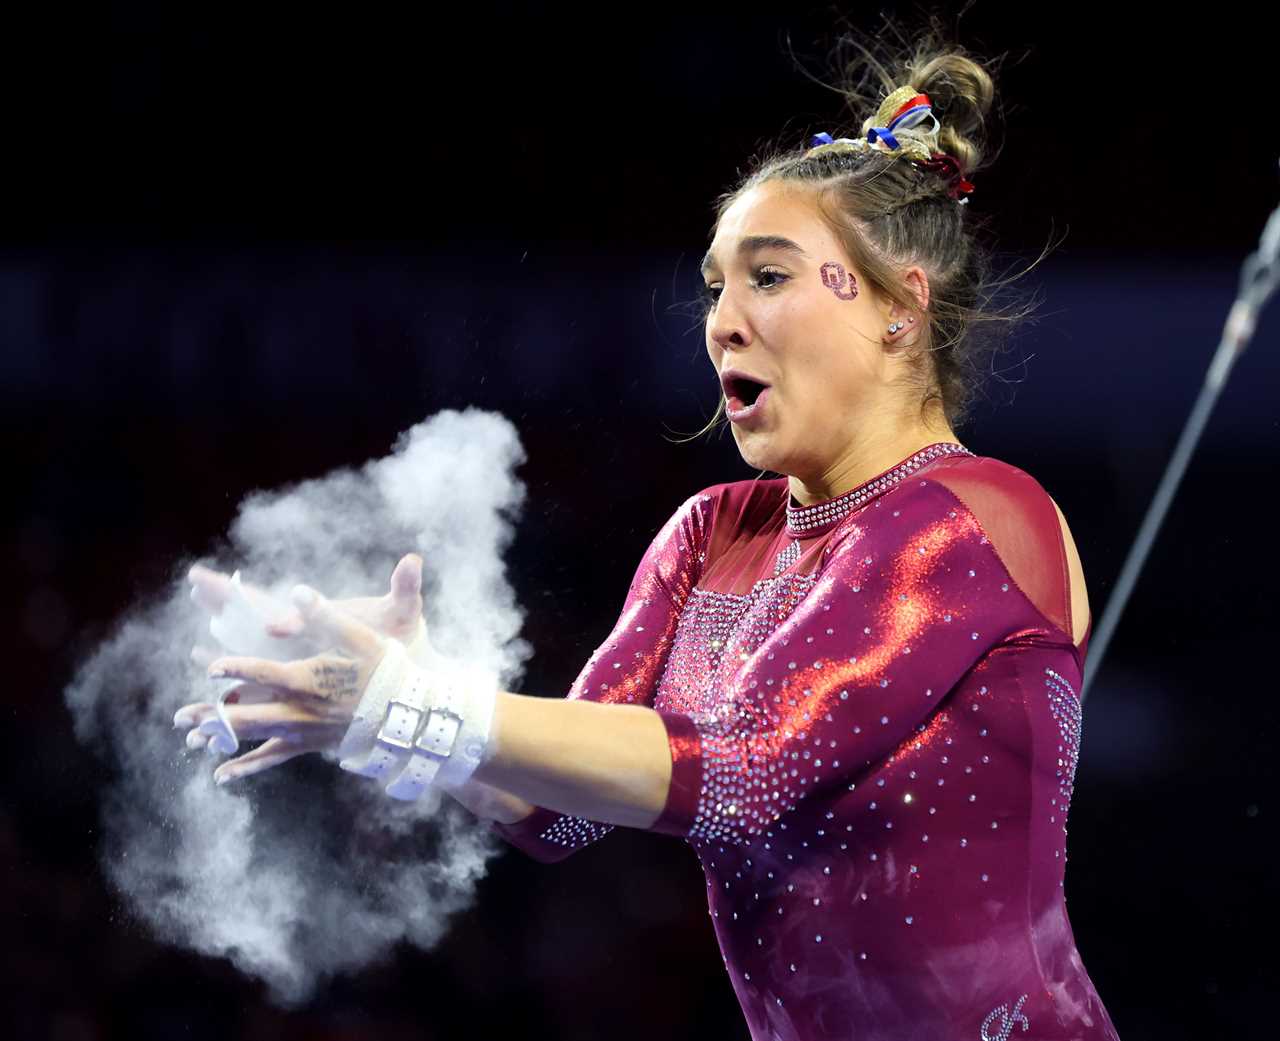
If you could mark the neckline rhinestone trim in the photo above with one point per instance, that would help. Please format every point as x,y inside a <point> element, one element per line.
<point>804,519</point>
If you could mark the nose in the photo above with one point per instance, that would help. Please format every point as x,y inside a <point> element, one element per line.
<point>726,326</point>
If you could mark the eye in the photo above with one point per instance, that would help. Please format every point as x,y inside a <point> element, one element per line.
<point>712,292</point>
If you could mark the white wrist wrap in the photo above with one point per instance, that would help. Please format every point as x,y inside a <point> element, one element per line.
<point>424,722</point>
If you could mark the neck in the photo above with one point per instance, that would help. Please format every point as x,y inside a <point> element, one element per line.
<point>863,461</point>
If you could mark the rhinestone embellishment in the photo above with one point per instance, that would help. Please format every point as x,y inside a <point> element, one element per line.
<point>806,518</point>
<point>786,557</point>
<point>575,832</point>
<point>1008,1020</point>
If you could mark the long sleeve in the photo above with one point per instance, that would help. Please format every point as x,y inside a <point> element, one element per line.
<point>626,668</point>
<point>855,670</point>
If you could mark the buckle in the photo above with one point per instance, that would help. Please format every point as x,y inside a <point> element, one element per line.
<point>440,734</point>
<point>394,739</point>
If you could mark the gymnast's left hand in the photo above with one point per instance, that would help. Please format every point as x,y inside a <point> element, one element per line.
<point>297,706</point>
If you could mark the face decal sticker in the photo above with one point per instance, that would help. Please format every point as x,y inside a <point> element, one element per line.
<point>838,281</point>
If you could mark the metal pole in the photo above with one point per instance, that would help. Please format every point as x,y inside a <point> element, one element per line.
<point>1259,279</point>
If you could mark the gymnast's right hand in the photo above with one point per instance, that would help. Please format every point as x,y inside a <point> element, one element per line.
<point>295,706</point>
<point>397,613</point>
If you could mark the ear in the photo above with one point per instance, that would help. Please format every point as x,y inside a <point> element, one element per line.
<point>917,283</point>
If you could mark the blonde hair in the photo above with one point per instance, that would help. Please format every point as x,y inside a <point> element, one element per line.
<point>890,213</point>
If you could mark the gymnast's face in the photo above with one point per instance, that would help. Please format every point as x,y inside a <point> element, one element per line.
<point>788,309</point>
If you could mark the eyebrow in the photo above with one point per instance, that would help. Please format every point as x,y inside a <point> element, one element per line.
<point>755,243</point>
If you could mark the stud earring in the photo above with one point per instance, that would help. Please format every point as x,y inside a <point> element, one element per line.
<point>895,327</point>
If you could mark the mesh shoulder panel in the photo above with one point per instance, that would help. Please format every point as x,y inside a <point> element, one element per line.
<point>1018,517</point>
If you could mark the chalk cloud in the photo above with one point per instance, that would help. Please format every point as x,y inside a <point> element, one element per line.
<point>305,871</point>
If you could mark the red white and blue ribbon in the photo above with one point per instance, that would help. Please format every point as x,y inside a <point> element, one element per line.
<point>911,113</point>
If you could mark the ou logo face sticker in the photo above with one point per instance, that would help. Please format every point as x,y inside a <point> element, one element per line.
<point>835,278</point>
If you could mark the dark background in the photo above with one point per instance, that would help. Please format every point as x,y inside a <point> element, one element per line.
<point>243,246</point>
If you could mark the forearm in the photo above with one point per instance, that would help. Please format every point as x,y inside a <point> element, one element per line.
<point>491,803</point>
<point>607,763</point>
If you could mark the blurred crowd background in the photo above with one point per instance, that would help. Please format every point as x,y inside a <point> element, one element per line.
<point>244,246</point>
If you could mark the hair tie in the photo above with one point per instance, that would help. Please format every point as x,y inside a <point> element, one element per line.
<point>908,114</point>
<point>896,127</point>
<point>948,167</point>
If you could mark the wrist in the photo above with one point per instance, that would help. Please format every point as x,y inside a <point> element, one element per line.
<point>420,724</point>
<point>360,750</point>
<point>453,736</point>
<point>490,803</point>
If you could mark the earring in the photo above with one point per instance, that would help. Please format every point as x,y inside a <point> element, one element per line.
<point>895,327</point>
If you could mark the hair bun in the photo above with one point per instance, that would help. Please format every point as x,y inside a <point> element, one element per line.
<point>896,64</point>
<point>905,123</point>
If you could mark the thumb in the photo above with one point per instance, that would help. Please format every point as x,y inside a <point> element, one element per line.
<point>404,604</point>
<point>406,579</point>
<point>326,621</point>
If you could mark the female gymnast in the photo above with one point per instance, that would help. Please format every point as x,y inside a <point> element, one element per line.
<point>851,689</point>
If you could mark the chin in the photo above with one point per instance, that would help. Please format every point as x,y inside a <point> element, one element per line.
<point>754,453</point>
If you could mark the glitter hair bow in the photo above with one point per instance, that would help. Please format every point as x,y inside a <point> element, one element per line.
<point>898,126</point>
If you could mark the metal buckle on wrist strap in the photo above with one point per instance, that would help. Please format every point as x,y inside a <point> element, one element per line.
<point>394,740</point>
<point>439,732</point>
<point>434,732</point>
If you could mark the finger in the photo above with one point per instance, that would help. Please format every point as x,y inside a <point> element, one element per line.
<point>210,589</point>
<point>291,624</point>
<point>258,722</point>
<point>213,730</point>
<point>326,620</point>
<point>197,739</point>
<point>268,754</point>
<point>202,598</point>
<point>253,694</point>
<point>264,604</point>
<point>193,715</point>
<point>248,693</point>
<point>284,675</point>
<point>327,678</point>
<point>406,579</point>
<point>214,590</point>
<point>405,604</point>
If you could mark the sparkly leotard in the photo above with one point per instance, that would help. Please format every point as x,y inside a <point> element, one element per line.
<point>872,710</point>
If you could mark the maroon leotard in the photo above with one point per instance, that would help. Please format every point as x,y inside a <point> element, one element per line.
<point>873,715</point>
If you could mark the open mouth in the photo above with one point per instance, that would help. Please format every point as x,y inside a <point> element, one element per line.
<point>742,392</point>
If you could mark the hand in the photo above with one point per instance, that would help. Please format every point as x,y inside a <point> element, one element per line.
<point>301,706</point>
<point>294,727</point>
<point>396,613</point>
